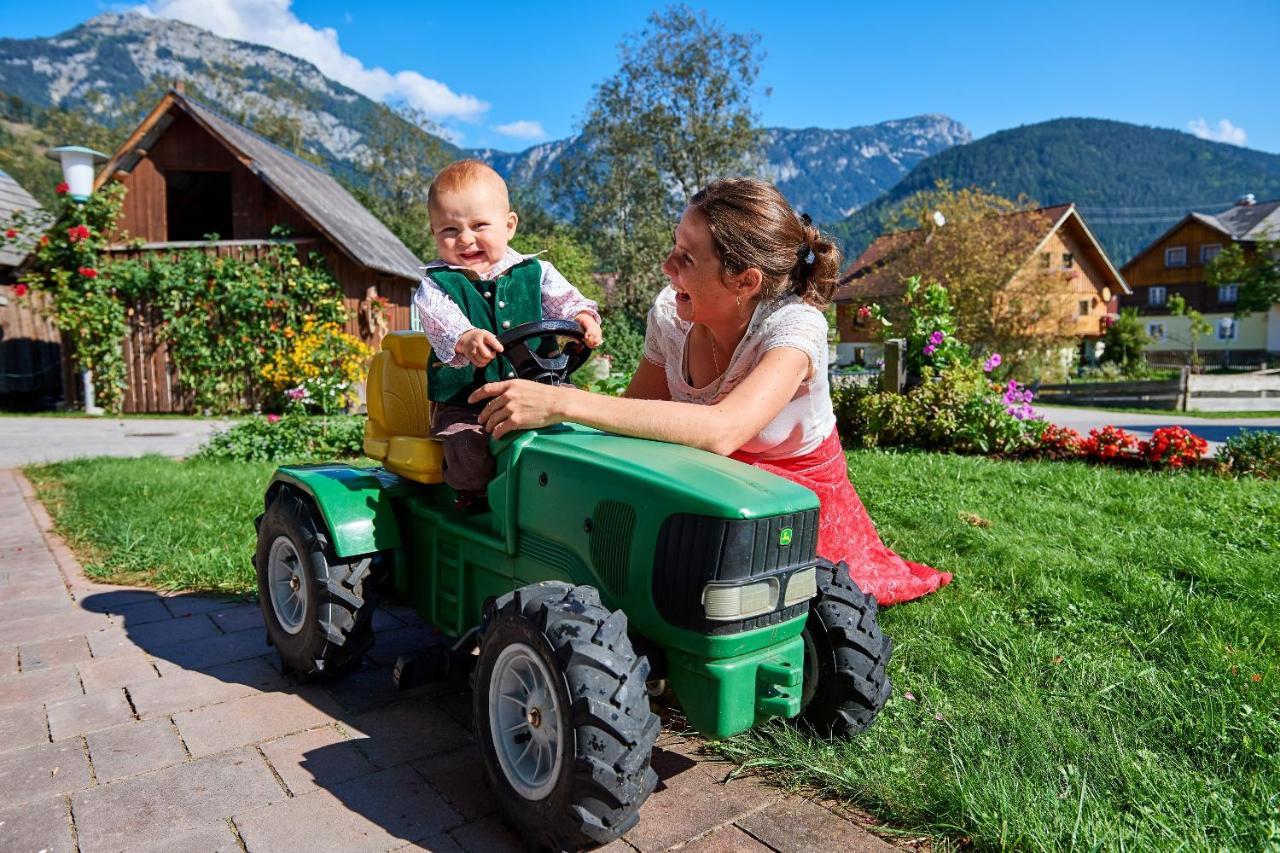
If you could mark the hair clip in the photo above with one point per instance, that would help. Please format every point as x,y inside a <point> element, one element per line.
<point>809,258</point>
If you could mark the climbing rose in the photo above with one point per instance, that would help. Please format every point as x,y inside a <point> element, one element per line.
<point>76,233</point>
<point>864,313</point>
<point>10,234</point>
<point>20,289</point>
<point>88,272</point>
<point>62,188</point>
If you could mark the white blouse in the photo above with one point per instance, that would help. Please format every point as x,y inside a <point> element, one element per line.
<point>806,420</point>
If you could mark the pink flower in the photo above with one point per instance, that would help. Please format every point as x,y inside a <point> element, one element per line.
<point>272,418</point>
<point>936,338</point>
<point>929,349</point>
<point>992,363</point>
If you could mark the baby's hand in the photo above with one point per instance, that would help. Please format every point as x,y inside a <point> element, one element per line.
<point>480,347</point>
<point>590,329</point>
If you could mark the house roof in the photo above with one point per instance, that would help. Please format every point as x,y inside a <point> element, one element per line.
<point>873,276</point>
<point>1244,223</point>
<point>314,192</point>
<point>13,199</point>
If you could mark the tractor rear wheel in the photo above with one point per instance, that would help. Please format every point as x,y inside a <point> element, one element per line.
<point>845,655</point>
<point>318,608</point>
<point>562,716</point>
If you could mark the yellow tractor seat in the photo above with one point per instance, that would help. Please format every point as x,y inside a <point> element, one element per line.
<point>398,431</point>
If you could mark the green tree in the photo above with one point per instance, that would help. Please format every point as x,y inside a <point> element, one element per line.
<point>676,115</point>
<point>1125,342</point>
<point>1199,326</point>
<point>1256,271</point>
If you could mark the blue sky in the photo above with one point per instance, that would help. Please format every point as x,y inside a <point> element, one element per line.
<point>507,74</point>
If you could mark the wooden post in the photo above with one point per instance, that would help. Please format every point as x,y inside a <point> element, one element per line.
<point>894,374</point>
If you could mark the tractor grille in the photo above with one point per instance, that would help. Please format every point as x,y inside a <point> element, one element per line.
<point>694,550</point>
<point>613,522</point>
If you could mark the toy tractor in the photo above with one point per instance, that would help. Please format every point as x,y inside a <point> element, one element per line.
<point>605,570</point>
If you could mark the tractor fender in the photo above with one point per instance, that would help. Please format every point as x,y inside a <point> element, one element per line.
<point>355,503</point>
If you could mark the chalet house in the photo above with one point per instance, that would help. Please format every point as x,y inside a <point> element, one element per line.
<point>191,172</point>
<point>1064,244</point>
<point>1175,264</point>
<point>30,346</point>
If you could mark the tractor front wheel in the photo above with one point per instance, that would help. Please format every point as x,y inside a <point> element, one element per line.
<point>845,655</point>
<point>318,608</point>
<point>562,716</point>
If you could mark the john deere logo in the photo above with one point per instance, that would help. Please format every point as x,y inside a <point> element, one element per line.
<point>784,538</point>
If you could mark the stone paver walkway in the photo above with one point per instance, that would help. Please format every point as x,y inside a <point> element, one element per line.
<point>131,720</point>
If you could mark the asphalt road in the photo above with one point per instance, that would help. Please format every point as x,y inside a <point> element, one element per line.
<point>1214,430</point>
<point>26,440</point>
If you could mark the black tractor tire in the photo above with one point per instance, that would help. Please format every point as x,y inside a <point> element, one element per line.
<point>335,627</point>
<point>605,740</point>
<point>845,656</point>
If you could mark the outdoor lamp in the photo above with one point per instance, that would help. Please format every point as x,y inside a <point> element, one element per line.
<point>77,168</point>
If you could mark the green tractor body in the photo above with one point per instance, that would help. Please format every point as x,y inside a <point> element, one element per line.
<point>658,529</point>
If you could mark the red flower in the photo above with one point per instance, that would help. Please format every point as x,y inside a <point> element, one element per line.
<point>20,289</point>
<point>1174,446</point>
<point>62,188</point>
<point>44,239</point>
<point>76,233</point>
<point>10,234</point>
<point>1108,443</point>
<point>88,272</point>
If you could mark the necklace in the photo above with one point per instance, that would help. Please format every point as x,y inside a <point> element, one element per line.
<point>714,354</point>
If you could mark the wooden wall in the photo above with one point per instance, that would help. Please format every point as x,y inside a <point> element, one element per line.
<point>1186,281</point>
<point>30,348</point>
<point>186,146</point>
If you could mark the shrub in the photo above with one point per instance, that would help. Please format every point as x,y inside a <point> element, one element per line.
<point>1175,447</point>
<point>1251,453</point>
<point>317,367</point>
<point>1108,444</point>
<point>274,438</point>
<point>1125,343</point>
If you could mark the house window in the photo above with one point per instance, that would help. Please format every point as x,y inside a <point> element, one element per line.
<point>1068,260</point>
<point>1156,295</point>
<point>198,204</point>
<point>1155,331</point>
<point>1046,260</point>
<point>1228,292</point>
<point>1084,307</point>
<point>1209,251</point>
<point>1227,329</point>
<point>1175,256</point>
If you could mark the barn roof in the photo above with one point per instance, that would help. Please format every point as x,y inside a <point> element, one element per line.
<point>13,199</point>
<point>313,191</point>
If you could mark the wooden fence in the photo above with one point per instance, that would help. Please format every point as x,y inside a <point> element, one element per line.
<point>31,348</point>
<point>1239,392</point>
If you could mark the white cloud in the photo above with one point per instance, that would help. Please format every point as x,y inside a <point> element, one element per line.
<point>522,130</point>
<point>1225,131</point>
<point>273,23</point>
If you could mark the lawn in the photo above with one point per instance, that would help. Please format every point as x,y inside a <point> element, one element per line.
<point>1104,672</point>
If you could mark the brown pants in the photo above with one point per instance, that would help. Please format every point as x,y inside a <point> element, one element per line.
<point>468,465</point>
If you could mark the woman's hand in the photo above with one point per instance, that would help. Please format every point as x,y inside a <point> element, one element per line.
<point>519,404</point>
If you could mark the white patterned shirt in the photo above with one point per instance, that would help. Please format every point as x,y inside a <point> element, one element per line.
<point>807,418</point>
<point>444,322</point>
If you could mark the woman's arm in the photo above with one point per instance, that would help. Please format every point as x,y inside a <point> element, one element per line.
<point>649,382</point>
<point>721,428</point>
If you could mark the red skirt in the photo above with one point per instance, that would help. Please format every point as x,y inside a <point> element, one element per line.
<point>845,531</point>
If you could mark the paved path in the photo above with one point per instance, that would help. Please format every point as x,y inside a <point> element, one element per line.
<point>133,720</point>
<point>1215,430</point>
<point>24,440</point>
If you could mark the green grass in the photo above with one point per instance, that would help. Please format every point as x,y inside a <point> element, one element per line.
<point>1087,681</point>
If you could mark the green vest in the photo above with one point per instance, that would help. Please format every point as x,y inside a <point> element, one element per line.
<point>497,306</point>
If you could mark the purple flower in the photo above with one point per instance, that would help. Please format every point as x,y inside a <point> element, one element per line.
<point>929,349</point>
<point>936,338</point>
<point>992,363</point>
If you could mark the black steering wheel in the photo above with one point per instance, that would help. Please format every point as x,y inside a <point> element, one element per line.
<point>549,369</point>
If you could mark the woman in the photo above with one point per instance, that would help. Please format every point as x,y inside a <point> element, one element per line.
<point>735,362</point>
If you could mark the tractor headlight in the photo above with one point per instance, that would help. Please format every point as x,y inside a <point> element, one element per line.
<point>727,603</point>
<point>801,586</point>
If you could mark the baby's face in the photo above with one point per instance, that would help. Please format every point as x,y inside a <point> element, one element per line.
<point>472,226</point>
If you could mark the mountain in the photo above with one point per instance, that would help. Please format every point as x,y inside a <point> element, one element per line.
<point>1131,182</point>
<point>114,66</point>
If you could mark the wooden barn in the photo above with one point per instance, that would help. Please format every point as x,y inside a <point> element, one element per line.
<point>30,346</point>
<point>191,172</point>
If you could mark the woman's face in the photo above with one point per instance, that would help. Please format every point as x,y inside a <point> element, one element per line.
<point>697,276</point>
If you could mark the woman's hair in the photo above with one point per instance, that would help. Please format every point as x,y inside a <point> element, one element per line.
<point>752,225</point>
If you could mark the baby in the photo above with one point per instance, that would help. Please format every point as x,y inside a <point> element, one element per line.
<point>474,291</point>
